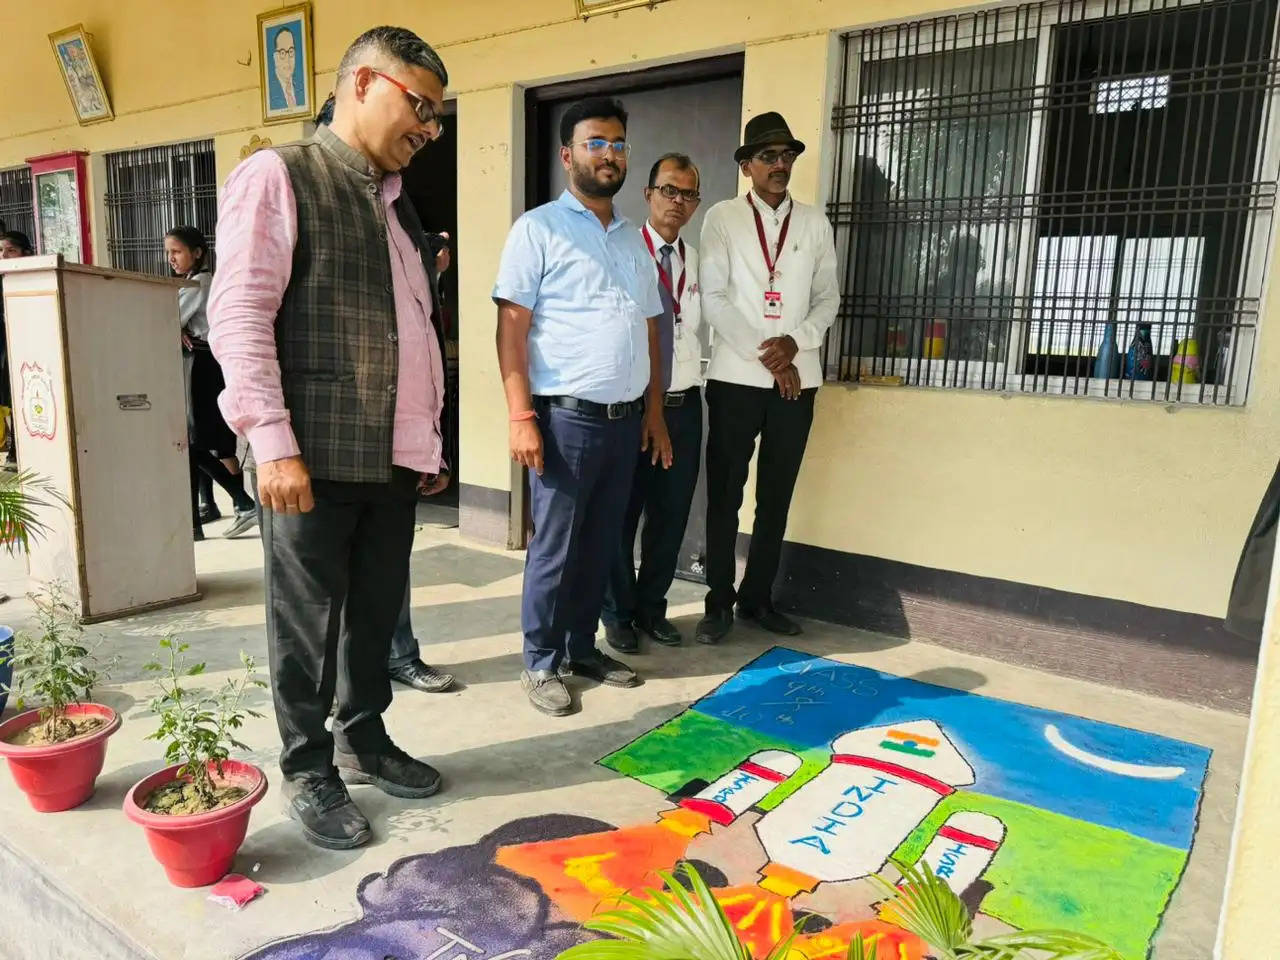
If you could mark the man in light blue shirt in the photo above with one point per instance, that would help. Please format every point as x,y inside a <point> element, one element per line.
<point>578,312</point>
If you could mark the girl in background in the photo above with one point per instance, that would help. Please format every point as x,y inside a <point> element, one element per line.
<point>212,443</point>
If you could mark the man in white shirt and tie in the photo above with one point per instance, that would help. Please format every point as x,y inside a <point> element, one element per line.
<point>637,603</point>
<point>769,291</point>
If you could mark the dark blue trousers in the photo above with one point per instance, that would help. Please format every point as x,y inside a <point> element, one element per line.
<point>663,497</point>
<point>578,505</point>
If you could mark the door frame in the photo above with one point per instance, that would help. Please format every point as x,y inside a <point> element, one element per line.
<point>538,173</point>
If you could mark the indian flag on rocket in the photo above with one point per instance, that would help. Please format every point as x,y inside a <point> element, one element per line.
<point>914,744</point>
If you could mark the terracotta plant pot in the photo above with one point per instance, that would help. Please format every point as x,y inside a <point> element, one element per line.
<point>58,776</point>
<point>197,849</point>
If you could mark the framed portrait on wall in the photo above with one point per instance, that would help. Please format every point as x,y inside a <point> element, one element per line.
<point>62,213</point>
<point>594,8</point>
<point>285,62</point>
<point>80,73</point>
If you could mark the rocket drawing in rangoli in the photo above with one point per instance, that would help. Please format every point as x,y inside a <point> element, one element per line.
<point>963,848</point>
<point>732,795</point>
<point>846,822</point>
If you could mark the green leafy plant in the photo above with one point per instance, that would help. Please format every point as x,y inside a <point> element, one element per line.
<point>198,727</point>
<point>923,904</point>
<point>670,924</point>
<point>52,664</point>
<point>22,494</point>
<point>675,924</point>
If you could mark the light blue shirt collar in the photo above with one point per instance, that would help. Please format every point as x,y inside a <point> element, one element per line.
<point>573,203</point>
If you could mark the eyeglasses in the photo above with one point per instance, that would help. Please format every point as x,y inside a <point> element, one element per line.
<point>671,192</point>
<point>598,146</point>
<point>422,108</point>
<point>770,157</point>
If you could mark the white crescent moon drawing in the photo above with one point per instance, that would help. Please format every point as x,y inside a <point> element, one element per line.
<point>1141,771</point>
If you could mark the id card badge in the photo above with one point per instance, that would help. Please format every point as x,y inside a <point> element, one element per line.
<point>773,304</point>
<point>679,329</point>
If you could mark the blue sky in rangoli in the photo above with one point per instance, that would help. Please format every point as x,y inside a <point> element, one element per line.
<point>1004,742</point>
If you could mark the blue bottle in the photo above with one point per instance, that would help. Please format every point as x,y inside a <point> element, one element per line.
<point>1107,365</point>
<point>1140,360</point>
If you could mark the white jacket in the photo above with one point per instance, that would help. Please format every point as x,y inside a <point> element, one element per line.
<point>734,278</point>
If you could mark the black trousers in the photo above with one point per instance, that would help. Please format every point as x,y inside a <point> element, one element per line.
<point>737,415</point>
<point>663,497</point>
<point>335,581</point>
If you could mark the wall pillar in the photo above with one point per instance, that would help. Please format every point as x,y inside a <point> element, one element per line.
<point>490,192</point>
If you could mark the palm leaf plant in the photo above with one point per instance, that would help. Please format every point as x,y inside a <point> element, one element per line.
<point>924,905</point>
<point>22,496</point>
<point>670,924</point>
<point>680,924</point>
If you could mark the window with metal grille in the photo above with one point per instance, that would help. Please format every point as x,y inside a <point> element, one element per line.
<point>1069,197</point>
<point>17,208</point>
<point>152,190</point>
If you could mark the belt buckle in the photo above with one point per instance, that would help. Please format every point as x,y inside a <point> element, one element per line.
<point>617,411</point>
<point>673,399</point>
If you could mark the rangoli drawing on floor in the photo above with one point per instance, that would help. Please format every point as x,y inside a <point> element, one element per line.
<point>790,785</point>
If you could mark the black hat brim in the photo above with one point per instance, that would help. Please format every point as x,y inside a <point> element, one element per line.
<point>747,150</point>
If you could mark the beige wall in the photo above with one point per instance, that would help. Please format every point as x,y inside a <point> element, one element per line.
<point>1249,916</point>
<point>1132,501</point>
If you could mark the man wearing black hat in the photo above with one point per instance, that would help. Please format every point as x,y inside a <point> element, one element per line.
<point>769,291</point>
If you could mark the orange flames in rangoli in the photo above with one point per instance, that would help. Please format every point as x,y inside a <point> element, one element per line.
<point>585,875</point>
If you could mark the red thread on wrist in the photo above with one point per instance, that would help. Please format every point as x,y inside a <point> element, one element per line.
<point>524,415</point>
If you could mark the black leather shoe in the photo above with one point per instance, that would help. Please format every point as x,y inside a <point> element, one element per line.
<point>602,669</point>
<point>622,637</point>
<point>546,691</point>
<point>660,629</point>
<point>209,512</point>
<point>422,676</point>
<point>771,620</point>
<point>393,772</point>
<point>714,627</point>
<point>328,816</point>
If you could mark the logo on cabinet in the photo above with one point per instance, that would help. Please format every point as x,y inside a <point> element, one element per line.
<point>39,408</point>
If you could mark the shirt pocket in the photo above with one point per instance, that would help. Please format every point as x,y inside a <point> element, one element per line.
<point>629,284</point>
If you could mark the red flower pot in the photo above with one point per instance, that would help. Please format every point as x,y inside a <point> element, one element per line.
<point>58,776</point>
<point>197,849</point>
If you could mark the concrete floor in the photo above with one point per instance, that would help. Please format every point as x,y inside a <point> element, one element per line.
<point>93,889</point>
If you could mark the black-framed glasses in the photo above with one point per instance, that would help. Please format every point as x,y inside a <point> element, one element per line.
<point>670,191</point>
<point>770,157</point>
<point>422,107</point>
<point>598,146</point>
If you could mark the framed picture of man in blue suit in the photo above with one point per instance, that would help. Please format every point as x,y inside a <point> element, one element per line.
<point>285,61</point>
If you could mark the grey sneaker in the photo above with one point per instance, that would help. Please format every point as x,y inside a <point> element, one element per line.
<point>328,816</point>
<point>244,521</point>
<point>547,692</point>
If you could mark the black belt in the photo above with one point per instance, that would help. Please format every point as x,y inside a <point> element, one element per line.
<point>606,411</point>
<point>678,399</point>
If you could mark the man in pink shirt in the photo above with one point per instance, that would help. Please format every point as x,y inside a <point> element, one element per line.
<point>321,317</point>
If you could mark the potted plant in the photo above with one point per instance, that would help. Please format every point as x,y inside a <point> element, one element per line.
<point>691,925</point>
<point>56,751</point>
<point>21,494</point>
<point>195,813</point>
